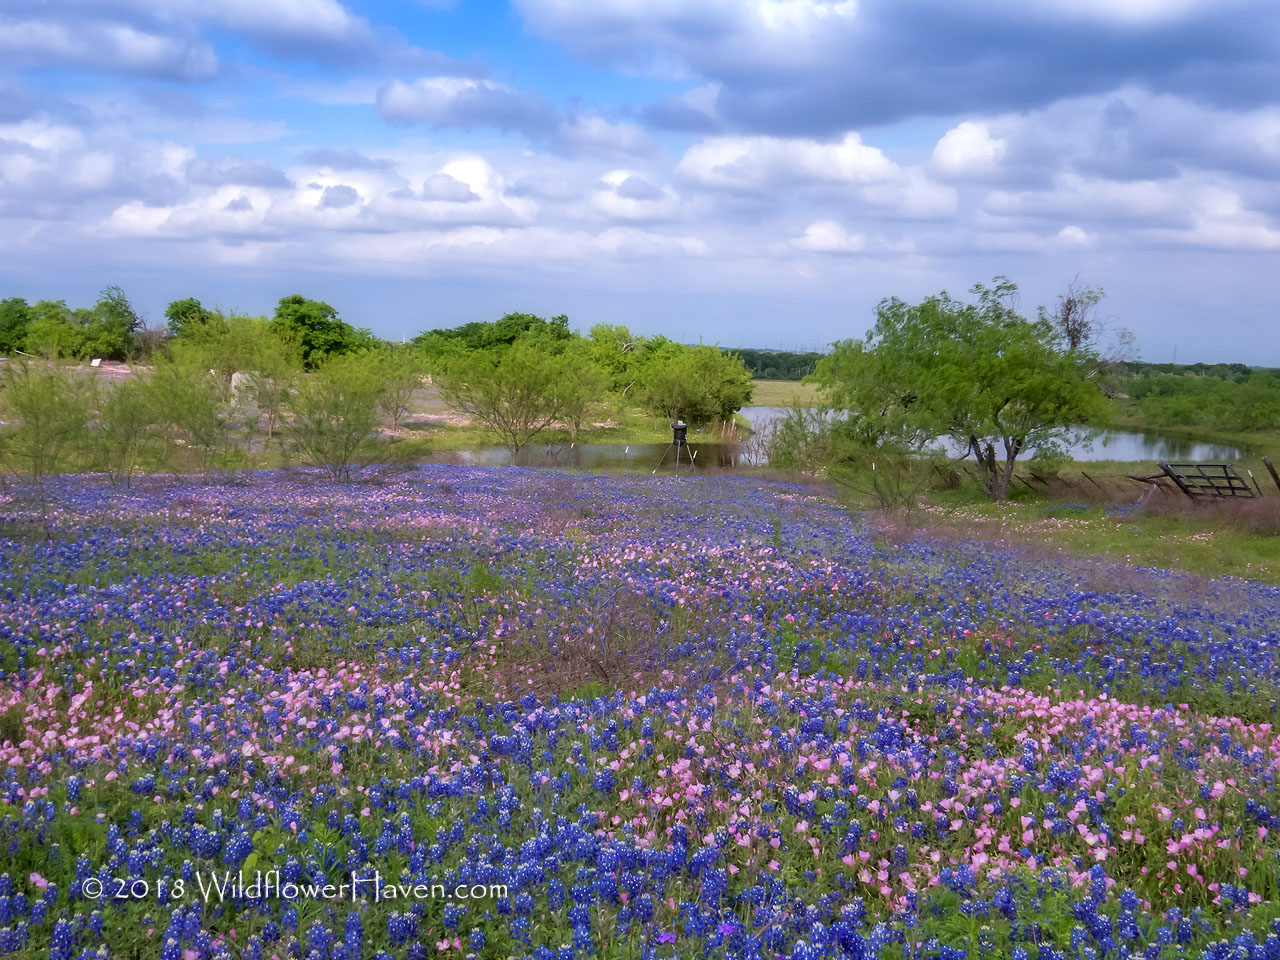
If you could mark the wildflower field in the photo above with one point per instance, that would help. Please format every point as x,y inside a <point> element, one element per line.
<point>512,713</point>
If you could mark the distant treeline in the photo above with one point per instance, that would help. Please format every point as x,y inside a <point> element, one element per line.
<point>1232,397</point>
<point>776,364</point>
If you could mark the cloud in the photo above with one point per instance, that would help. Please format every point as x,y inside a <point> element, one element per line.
<point>627,195</point>
<point>587,134</point>
<point>345,159</point>
<point>814,68</point>
<point>755,163</point>
<point>465,103</point>
<point>448,189</point>
<point>968,150</point>
<point>116,47</point>
<point>339,196</point>
<point>827,236</point>
<point>254,172</point>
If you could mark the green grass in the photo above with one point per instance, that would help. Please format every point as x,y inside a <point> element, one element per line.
<point>783,393</point>
<point>629,427</point>
<point>1233,539</point>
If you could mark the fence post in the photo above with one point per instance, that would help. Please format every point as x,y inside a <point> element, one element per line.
<point>1271,468</point>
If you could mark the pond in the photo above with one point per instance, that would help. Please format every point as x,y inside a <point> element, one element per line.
<point>1092,443</point>
<point>1089,444</point>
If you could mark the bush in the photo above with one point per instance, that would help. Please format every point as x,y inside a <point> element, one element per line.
<point>335,414</point>
<point>124,429</point>
<point>51,410</point>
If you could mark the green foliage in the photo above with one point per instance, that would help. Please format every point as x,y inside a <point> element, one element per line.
<point>335,416</point>
<point>188,317</point>
<point>50,411</point>
<point>517,392</point>
<point>582,387</point>
<point>994,381</point>
<point>194,414</point>
<point>316,331</point>
<point>777,364</point>
<point>489,335</point>
<point>108,332</point>
<point>51,329</point>
<point>1242,403</point>
<point>123,429</point>
<point>400,372</point>
<point>618,353</point>
<point>15,317</point>
<point>700,385</point>
<point>804,439</point>
<point>51,332</point>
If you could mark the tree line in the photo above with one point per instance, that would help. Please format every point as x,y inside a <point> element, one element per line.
<point>308,386</point>
<point>522,373</point>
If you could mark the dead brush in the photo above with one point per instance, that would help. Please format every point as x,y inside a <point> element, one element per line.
<point>621,640</point>
<point>1259,515</point>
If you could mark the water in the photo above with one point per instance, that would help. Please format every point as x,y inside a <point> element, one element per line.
<point>1094,444</point>
<point>1089,444</point>
<point>598,456</point>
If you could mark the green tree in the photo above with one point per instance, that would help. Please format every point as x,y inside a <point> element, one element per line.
<point>582,388</point>
<point>335,416</point>
<point>401,372</point>
<point>701,385</point>
<point>314,328</point>
<point>999,384</point>
<point>503,332</point>
<point>188,316</point>
<point>50,411</point>
<point>618,353</point>
<point>51,332</point>
<point>123,430</point>
<point>15,318</point>
<point>195,416</point>
<point>108,329</point>
<point>515,392</point>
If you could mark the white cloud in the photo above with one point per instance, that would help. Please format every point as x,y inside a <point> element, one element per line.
<point>1073,236</point>
<point>827,236</point>
<point>968,150</point>
<point>754,163</point>
<point>107,46</point>
<point>592,134</point>
<point>466,103</point>
<point>627,195</point>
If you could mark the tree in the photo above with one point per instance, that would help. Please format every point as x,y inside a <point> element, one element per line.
<point>515,392</point>
<point>581,390</point>
<point>188,316</point>
<point>335,415</point>
<point>401,374</point>
<point>997,383</point>
<point>700,385</point>
<point>314,328</point>
<point>503,332</point>
<point>618,352</point>
<point>108,329</point>
<point>123,429</point>
<point>15,317</point>
<point>51,332</point>
<point>51,410</point>
<point>192,408</point>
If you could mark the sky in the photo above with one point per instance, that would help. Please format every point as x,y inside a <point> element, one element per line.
<point>754,173</point>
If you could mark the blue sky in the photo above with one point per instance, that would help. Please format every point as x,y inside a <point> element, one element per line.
<point>748,172</point>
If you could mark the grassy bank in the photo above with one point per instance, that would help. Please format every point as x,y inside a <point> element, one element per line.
<point>1092,508</point>
<point>783,393</point>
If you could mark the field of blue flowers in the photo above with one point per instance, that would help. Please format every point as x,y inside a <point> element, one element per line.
<point>512,713</point>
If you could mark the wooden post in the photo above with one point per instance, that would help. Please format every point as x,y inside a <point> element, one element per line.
<point>1094,482</point>
<point>1270,467</point>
